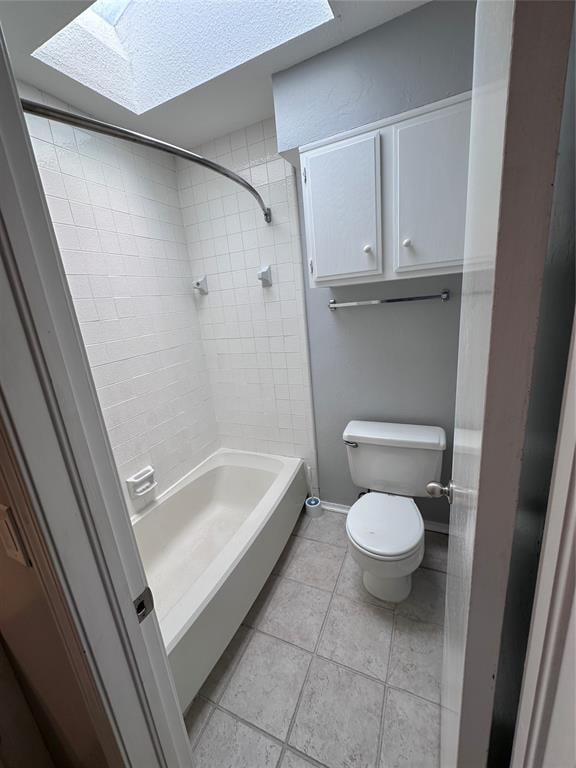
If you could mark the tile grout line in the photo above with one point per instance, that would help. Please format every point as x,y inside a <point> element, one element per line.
<point>215,704</point>
<point>275,739</point>
<point>269,736</point>
<point>357,600</point>
<point>306,758</point>
<point>235,667</point>
<point>204,726</point>
<point>296,581</point>
<point>380,739</point>
<point>248,724</point>
<point>314,654</point>
<point>253,629</point>
<point>385,701</point>
<point>411,693</point>
<point>319,638</point>
<point>319,655</point>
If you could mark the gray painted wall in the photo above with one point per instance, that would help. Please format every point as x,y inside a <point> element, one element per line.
<point>415,59</point>
<point>393,362</point>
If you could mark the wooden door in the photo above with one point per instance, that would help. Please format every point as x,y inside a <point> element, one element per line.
<point>21,744</point>
<point>42,648</point>
<point>521,51</point>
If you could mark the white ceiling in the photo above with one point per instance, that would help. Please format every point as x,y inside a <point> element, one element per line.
<point>233,100</point>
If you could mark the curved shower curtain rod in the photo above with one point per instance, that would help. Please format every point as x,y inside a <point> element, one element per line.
<point>79,121</point>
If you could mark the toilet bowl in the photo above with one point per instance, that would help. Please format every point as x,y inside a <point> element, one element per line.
<point>385,528</point>
<point>386,535</point>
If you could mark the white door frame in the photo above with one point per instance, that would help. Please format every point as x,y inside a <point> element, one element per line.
<point>553,601</point>
<point>49,404</point>
<point>520,58</point>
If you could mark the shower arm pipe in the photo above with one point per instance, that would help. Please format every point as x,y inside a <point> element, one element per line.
<point>79,121</point>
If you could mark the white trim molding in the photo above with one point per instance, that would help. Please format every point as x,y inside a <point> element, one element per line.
<point>332,506</point>
<point>49,405</point>
<point>343,509</point>
<point>548,644</point>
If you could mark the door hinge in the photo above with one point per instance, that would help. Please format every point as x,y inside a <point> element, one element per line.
<point>304,175</point>
<point>144,604</point>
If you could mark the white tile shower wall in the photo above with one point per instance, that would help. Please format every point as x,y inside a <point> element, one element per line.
<point>116,213</point>
<point>254,337</point>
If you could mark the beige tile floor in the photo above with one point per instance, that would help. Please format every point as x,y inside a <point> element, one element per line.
<point>322,673</point>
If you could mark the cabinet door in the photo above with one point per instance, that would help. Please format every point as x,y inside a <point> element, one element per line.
<point>430,179</point>
<point>342,210</point>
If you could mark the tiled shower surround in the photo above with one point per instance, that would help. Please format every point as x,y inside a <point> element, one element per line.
<point>179,374</point>
<point>254,336</point>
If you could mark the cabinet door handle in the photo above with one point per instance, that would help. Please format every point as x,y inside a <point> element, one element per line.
<point>367,249</point>
<point>407,242</point>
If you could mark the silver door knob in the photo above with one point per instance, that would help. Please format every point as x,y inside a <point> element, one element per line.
<point>437,490</point>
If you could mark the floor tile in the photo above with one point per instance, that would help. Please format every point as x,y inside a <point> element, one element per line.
<point>313,563</point>
<point>291,611</point>
<point>227,743</point>
<point>338,719</point>
<point>426,600</point>
<point>292,760</point>
<point>285,555</point>
<point>411,734</point>
<point>218,679</point>
<point>350,585</point>
<point>330,528</point>
<point>259,681</point>
<point>301,524</point>
<point>261,601</point>
<point>266,684</point>
<point>358,635</point>
<point>416,658</point>
<point>196,716</point>
<point>435,551</point>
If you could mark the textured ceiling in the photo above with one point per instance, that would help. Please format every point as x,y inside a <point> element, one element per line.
<point>153,51</point>
<point>231,101</point>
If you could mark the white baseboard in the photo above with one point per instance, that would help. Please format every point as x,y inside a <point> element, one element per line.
<point>331,506</point>
<point>432,525</point>
<point>429,525</point>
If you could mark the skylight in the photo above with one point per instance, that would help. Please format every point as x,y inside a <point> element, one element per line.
<point>141,53</point>
<point>110,10</point>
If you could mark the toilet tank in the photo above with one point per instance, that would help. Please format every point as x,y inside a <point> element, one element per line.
<point>394,458</point>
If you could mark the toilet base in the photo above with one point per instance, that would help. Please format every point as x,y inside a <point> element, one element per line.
<point>392,590</point>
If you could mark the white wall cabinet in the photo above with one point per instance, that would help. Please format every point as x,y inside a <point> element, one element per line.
<point>388,201</point>
<point>430,177</point>
<point>342,209</point>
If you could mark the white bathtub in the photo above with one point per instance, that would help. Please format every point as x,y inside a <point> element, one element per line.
<point>208,545</point>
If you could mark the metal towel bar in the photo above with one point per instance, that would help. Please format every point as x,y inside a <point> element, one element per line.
<point>333,304</point>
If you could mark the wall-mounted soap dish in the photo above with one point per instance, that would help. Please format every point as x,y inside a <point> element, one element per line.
<point>141,483</point>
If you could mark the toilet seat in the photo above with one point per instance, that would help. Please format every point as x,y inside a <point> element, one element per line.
<point>385,526</point>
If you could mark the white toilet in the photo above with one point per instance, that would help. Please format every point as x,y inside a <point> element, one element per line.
<point>385,527</point>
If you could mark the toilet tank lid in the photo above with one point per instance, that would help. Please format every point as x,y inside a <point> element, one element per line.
<point>398,435</point>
